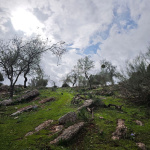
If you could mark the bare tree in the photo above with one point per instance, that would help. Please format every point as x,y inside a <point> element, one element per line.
<point>108,71</point>
<point>18,56</point>
<point>33,51</point>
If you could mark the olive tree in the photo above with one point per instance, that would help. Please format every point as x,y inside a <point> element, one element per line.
<point>19,56</point>
<point>108,71</point>
<point>85,65</point>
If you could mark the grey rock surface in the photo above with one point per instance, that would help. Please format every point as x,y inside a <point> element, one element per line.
<point>68,133</point>
<point>69,117</point>
<point>86,103</point>
<point>28,96</point>
<point>27,108</point>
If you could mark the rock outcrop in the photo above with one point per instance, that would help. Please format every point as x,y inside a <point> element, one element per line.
<point>27,108</point>
<point>47,100</point>
<point>6,102</point>
<point>86,103</point>
<point>68,133</point>
<point>121,130</point>
<point>28,96</point>
<point>69,117</point>
<point>40,127</point>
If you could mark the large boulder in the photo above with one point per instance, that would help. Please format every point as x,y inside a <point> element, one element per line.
<point>28,96</point>
<point>69,117</point>
<point>27,108</point>
<point>6,102</point>
<point>86,103</point>
<point>68,133</point>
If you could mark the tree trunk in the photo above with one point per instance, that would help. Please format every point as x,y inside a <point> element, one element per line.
<point>11,91</point>
<point>25,81</point>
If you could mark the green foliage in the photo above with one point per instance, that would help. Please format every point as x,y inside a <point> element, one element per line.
<point>136,86</point>
<point>84,115</point>
<point>39,81</point>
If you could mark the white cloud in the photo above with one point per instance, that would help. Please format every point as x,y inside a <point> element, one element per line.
<point>83,23</point>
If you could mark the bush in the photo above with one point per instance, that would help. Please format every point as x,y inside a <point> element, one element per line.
<point>137,86</point>
<point>65,85</point>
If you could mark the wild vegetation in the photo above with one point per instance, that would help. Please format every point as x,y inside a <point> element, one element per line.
<point>113,115</point>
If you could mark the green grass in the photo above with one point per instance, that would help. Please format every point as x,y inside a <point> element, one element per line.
<point>94,136</point>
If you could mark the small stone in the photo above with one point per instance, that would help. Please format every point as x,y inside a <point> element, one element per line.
<point>16,117</point>
<point>101,117</point>
<point>29,133</point>
<point>138,122</point>
<point>141,146</point>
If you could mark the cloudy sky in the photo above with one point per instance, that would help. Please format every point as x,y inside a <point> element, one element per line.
<point>116,30</point>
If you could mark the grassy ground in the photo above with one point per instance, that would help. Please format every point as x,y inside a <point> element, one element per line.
<point>96,135</point>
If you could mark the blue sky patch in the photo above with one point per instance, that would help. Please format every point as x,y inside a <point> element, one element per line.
<point>92,49</point>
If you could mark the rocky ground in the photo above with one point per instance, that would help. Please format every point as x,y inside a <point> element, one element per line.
<point>70,119</point>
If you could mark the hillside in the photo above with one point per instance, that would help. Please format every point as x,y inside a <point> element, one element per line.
<point>96,133</point>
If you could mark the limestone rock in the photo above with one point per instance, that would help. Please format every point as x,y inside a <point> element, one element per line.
<point>69,117</point>
<point>43,125</point>
<point>121,130</point>
<point>68,133</point>
<point>40,127</point>
<point>47,100</point>
<point>29,96</point>
<point>29,133</point>
<point>27,108</point>
<point>141,146</point>
<point>86,103</point>
<point>6,102</point>
<point>56,129</point>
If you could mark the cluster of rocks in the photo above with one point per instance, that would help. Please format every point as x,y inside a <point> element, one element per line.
<point>121,131</point>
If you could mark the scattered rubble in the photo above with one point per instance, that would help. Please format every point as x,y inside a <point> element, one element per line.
<point>47,100</point>
<point>68,133</point>
<point>121,130</point>
<point>56,129</point>
<point>69,117</point>
<point>27,108</point>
